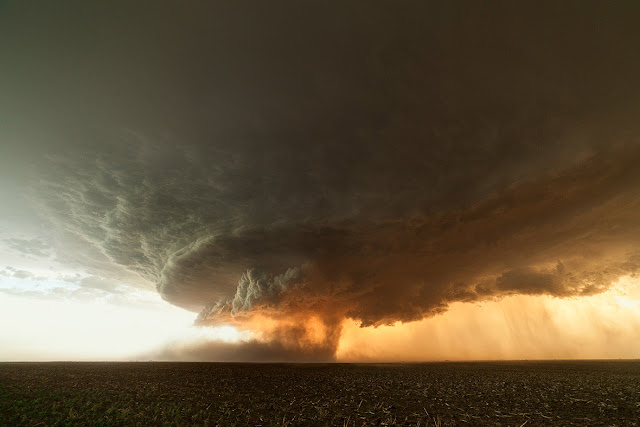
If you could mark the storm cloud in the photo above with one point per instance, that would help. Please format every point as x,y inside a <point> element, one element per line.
<point>289,162</point>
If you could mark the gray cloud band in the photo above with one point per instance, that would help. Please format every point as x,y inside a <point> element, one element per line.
<point>568,232</point>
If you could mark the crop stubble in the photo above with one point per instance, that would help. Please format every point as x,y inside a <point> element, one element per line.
<point>483,393</point>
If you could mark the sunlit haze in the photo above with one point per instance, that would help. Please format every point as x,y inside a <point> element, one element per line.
<point>51,330</point>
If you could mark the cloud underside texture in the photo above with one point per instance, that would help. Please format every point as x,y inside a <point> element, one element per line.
<point>252,162</point>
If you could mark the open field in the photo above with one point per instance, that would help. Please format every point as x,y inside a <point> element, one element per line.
<point>500,393</point>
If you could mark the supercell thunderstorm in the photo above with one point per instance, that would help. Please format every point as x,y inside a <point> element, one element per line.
<point>271,172</point>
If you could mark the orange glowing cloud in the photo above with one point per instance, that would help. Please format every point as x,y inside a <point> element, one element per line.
<point>600,326</point>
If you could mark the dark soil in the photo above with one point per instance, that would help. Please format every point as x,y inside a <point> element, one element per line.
<point>497,394</point>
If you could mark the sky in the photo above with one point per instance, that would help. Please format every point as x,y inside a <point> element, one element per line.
<point>327,181</point>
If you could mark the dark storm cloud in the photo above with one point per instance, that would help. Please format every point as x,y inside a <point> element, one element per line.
<point>256,287</point>
<point>377,163</point>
